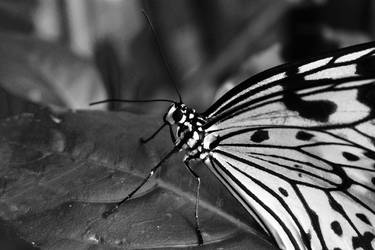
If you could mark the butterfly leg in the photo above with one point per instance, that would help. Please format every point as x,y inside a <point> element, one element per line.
<point>153,135</point>
<point>197,178</point>
<point>151,173</point>
<point>172,135</point>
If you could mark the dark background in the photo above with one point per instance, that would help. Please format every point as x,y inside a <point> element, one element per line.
<point>65,54</point>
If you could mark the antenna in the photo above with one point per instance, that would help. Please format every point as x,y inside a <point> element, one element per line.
<point>161,54</point>
<point>131,101</point>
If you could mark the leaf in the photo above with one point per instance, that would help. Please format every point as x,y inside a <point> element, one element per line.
<point>47,73</point>
<point>59,173</point>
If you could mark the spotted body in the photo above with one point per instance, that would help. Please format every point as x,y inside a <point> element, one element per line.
<point>296,146</point>
<point>189,132</point>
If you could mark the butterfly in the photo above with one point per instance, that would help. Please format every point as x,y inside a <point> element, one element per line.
<point>295,145</point>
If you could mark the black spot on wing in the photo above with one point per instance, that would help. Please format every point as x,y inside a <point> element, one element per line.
<point>306,237</point>
<point>373,180</point>
<point>259,136</point>
<point>298,167</point>
<point>336,206</point>
<point>350,156</point>
<point>315,222</point>
<point>363,218</point>
<point>337,248</point>
<point>283,191</point>
<point>363,241</point>
<point>336,227</point>
<point>214,143</point>
<point>366,67</point>
<point>319,110</point>
<point>304,136</point>
<point>366,95</point>
<point>369,154</point>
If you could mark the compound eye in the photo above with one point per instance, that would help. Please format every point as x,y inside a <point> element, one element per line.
<point>177,115</point>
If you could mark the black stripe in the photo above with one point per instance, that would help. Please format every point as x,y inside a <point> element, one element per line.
<point>213,161</point>
<point>313,217</point>
<point>312,129</point>
<point>265,169</point>
<point>249,193</point>
<point>300,171</point>
<point>359,202</point>
<point>299,149</point>
<point>281,200</point>
<point>335,205</point>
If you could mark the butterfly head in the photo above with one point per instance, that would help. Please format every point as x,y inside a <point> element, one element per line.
<point>176,114</point>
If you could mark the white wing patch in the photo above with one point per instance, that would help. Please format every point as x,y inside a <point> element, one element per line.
<point>312,90</point>
<point>314,65</point>
<point>273,78</point>
<point>352,84</point>
<point>353,56</point>
<point>333,73</point>
<point>331,224</point>
<point>348,107</point>
<point>356,137</point>
<point>341,154</point>
<point>278,224</point>
<point>367,129</point>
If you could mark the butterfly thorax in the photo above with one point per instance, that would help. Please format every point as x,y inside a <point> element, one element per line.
<point>190,134</point>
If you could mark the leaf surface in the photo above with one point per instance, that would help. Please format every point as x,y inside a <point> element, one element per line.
<point>59,173</point>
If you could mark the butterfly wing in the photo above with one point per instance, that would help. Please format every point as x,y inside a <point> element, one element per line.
<point>295,145</point>
<point>305,94</point>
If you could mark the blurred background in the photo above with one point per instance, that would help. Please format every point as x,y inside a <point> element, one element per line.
<point>64,54</point>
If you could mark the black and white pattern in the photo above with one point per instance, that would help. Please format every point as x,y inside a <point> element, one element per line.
<point>296,146</point>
